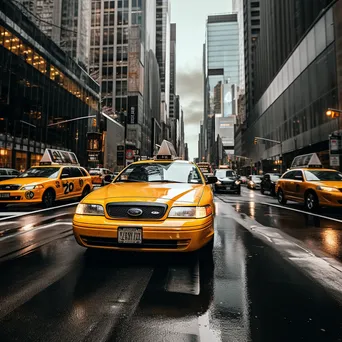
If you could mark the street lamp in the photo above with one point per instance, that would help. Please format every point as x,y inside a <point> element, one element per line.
<point>256,139</point>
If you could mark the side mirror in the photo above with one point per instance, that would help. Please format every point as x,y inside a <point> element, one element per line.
<point>211,180</point>
<point>108,178</point>
<point>65,175</point>
<point>299,178</point>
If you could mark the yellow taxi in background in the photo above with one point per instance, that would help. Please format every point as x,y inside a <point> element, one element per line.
<point>59,177</point>
<point>309,183</point>
<point>153,205</point>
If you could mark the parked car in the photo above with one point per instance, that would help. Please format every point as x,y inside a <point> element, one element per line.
<point>254,182</point>
<point>6,173</point>
<point>227,180</point>
<point>269,182</point>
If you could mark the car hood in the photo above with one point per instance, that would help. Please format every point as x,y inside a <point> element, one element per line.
<point>25,181</point>
<point>226,179</point>
<point>148,192</point>
<point>332,184</point>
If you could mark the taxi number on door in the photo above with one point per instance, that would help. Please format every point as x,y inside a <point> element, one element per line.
<point>130,235</point>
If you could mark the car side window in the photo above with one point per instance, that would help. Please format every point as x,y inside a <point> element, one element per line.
<point>83,171</point>
<point>298,173</point>
<point>14,172</point>
<point>289,175</point>
<point>75,172</point>
<point>65,173</point>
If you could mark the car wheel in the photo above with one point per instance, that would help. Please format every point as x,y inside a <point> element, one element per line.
<point>311,201</point>
<point>3,205</point>
<point>48,198</point>
<point>281,197</point>
<point>85,192</point>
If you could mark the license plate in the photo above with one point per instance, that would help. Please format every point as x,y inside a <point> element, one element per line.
<point>5,195</point>
<point>130,235</point>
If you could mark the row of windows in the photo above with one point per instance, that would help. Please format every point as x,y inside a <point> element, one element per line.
<point>19,48</point>
<point>318,38</point>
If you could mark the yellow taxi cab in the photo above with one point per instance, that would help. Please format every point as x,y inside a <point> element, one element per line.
<point>309,183</point>
<point>58,177</point>
<point>98,175</point>
<point>162,204</point>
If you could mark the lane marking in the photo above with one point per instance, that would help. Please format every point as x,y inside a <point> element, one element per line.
<point>29,229</point>
<point>302,211</point>
<point>39,211</point>
<point>14,213</point>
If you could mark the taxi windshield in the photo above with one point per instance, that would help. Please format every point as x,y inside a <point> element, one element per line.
<point>323,175</point>
<point>172,172</point>
<point>225,173</point>
<point>41,172</point>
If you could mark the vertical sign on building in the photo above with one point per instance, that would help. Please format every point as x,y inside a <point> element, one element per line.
<point>132,110</point>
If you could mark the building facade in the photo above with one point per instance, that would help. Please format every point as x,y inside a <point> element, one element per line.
<point>296,68</point>
<point>40,86</point>
<point>221,80</point>
<point>163,14</point>
<point>123,59</point>
<point>172,70</point>
<point>66,22</point>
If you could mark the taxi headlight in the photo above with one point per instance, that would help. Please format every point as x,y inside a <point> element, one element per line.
<point>190,212</point>
<point>327,188</point>
<point>90,209</point>
<point>31,187</point>
<point>218,182</point>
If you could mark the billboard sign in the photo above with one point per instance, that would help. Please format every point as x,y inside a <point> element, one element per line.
<point>132,110</point>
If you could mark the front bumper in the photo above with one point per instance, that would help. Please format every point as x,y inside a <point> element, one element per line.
<point>227,187</point>
<point>21,196</point>
<point>330,199</point>
<point>170,235</point>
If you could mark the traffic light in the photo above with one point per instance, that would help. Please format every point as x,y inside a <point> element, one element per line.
<point>333,114</point>
<point>255,141</point>
<point>94,122</point>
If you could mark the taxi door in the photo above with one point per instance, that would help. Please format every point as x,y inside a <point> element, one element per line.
<point>77,179</point>
<point>67,183</point>
<point>296,186</point>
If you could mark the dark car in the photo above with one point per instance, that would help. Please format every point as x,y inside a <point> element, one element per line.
<point>268,183</point>
<point>6,173</point>
<point>227,180</point>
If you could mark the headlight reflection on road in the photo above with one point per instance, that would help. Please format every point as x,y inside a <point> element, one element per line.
<point>331,240</point>
<point>252,209</point>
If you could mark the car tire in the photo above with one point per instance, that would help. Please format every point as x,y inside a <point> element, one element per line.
<point>281,197</point>
<point>311,201</point>
<point>85,192</point>
<point>48,198</point>
<point>3,205</point>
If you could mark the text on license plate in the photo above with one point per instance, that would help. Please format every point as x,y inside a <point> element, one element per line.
<point>5,195</point>
<point>130,235</point>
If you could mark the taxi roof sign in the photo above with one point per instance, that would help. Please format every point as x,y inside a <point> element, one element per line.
<point>166,151</point>
<point>58,157</point>
<point>307,160</point>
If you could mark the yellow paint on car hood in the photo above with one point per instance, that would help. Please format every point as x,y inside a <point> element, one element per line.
<point>148,192</point>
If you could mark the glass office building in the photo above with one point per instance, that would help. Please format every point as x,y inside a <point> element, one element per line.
<point>291,109</point>
<point>222,42</point>
<point>39,87</point>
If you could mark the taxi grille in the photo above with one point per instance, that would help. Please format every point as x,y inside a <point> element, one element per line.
<point>9,187</point>
<point>149,211</point>
<point>147,243</point>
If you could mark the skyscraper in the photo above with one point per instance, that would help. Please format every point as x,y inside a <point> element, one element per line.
<point>66,22</point>
<point>295,80</point>
<point>122,58</point>
<point>222,77</point>
<point>172,69</point>
<point>163,57</point>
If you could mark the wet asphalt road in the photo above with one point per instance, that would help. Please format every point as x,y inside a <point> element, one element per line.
<point>51,289</point>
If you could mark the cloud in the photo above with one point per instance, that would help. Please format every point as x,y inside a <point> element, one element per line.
<point>190,90</point>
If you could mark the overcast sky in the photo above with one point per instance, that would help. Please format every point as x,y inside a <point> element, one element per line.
<point>190,17</point>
